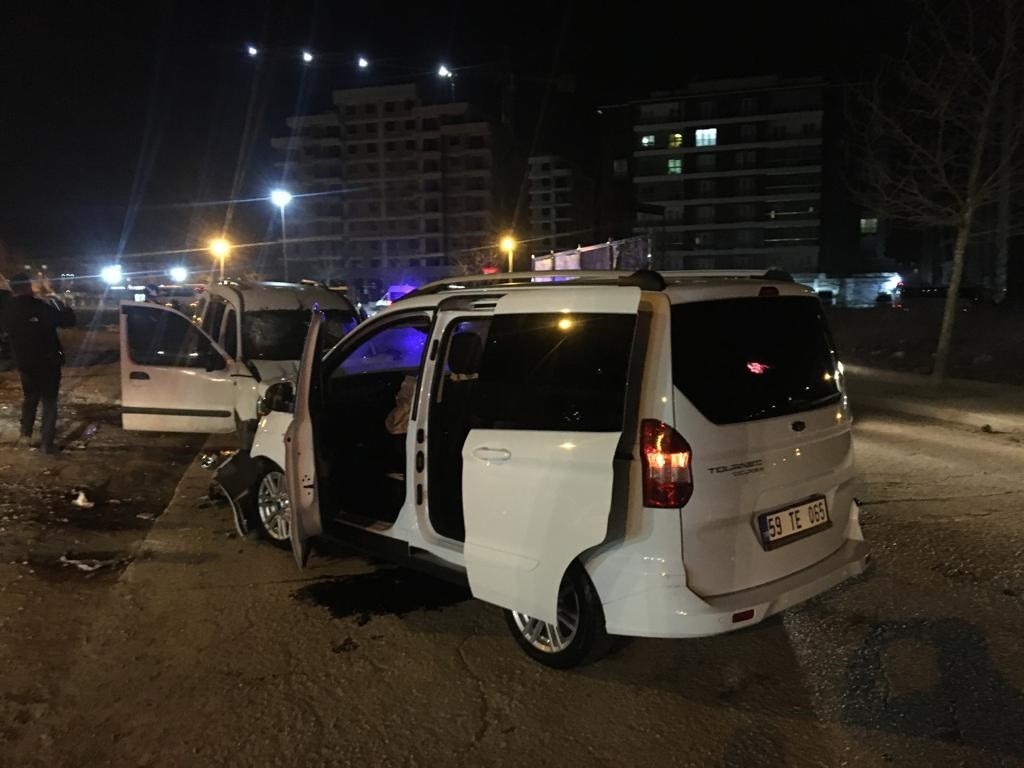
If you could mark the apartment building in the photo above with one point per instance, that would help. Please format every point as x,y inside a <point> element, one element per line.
<point>390,189</point>
<point>561,203</point>
<point>728,174</point>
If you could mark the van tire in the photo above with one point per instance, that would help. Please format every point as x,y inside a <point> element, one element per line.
<point>259,499</point>
<point>578,600</point>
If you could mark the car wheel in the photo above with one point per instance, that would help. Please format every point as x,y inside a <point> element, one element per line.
<point>272,505</point>
<point>579,635</point>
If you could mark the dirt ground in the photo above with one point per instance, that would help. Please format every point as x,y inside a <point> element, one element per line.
<point>57,560</point>
<point>988,341</point>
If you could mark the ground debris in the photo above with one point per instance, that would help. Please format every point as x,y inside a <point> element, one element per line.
<point>87,564</point>
<point>81,500</point>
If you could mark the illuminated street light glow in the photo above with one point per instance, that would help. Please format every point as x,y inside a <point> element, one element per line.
<point>112,275</point>
<point>280,197</point>
<point>443,71</point>
<point>220,248</point>
<point>178,274</point>
<point>363,63</point>
<point>252,50</point>
<point>508,245</point>
<point>307,56</point>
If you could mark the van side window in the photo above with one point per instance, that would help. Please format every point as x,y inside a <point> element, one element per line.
<point>553,371</point>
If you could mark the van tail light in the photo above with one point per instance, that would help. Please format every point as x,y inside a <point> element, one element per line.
<point>667,458</point>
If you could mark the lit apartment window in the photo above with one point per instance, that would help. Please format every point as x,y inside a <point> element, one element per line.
<point>647,140</point>
<point>868,226</point>
<point>706,137</point>
<point>675,140</point>
<point>675,165</point>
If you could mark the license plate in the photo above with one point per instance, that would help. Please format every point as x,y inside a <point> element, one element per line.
<point>786,525</point>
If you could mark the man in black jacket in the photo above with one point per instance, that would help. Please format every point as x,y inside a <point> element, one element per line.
<point>32,323</point>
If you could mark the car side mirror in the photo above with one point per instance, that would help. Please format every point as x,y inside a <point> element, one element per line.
<point>279,397</point>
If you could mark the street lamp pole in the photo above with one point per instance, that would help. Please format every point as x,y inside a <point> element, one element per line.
<point>281,198</point>
<point>284,245</point>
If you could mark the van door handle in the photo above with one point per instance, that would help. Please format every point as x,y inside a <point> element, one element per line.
<point>138,376</point>
<point>492,454</point>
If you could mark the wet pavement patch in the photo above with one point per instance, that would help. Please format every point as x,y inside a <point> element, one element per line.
<point>389,592</point>
<point>959,696</point>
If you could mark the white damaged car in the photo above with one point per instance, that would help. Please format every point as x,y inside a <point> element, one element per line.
<point>209,373</point>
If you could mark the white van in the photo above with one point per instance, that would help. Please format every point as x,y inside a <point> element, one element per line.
<point>207,373</point>
<point>650,455</point>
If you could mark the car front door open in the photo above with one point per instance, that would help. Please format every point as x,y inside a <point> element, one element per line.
<point>300,446</point>
<point>174,378</point>
<point>548,416</point>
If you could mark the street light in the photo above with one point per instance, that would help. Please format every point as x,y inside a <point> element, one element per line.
<point>178,274</point>
<point>508,245</point>
<point>220,248</point>
<point>112,275</point>
<point>446,74</point>
<point>281,198</point>
<point>363,63</point>
<point>307,57</point>
<point>252,50</point>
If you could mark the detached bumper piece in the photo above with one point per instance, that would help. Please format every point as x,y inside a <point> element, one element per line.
<point>236,477</point>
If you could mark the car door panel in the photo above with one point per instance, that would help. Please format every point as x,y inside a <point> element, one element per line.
<point>300,447</point>
<point>165,382</point>
<point>538,469</point>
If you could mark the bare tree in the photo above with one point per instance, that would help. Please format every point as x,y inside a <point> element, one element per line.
<point>472,261</point>
<point>930,151</point>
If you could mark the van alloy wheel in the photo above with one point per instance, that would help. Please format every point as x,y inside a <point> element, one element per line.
<point>578,635</point>
<point>552,638</point>
<point>272,505</point>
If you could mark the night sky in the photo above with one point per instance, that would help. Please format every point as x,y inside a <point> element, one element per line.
<point>125,128</point>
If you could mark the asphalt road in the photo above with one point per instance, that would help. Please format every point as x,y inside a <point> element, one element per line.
<point>209,650</point>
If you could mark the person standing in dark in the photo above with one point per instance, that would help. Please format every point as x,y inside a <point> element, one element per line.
<point>31,323</point>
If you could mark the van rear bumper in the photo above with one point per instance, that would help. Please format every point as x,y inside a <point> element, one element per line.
<point>675,611</point>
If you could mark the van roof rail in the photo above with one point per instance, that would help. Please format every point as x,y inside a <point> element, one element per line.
<point>645,279</point>
<point>511,279</point>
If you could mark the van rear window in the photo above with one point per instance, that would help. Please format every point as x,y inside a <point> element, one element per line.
<point>753,358</point>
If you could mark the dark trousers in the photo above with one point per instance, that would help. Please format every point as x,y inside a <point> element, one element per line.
<point>40,384</point>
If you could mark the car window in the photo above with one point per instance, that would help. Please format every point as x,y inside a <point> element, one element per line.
<point>753,358</point>
<point>156,337</point>
<point>396,347</point>
<point>553,371</point>
<point>466,351</point>
<point>280,334</point>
